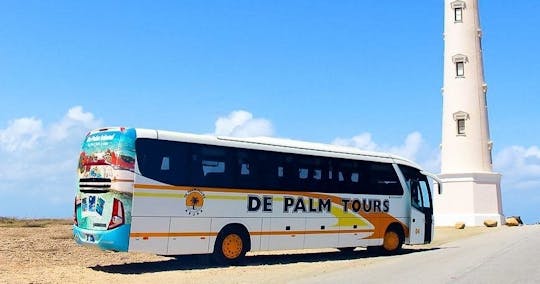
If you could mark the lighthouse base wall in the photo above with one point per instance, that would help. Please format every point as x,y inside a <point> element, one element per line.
<point>469,198</point>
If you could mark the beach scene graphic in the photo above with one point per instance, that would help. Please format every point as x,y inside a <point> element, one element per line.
<point>113,148</point>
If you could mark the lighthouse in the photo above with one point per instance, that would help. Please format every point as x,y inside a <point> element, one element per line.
<point>471,190</point>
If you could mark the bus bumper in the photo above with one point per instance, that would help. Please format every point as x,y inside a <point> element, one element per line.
<point>116,239</point>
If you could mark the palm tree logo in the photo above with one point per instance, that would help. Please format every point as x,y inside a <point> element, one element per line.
<point>194,202</point>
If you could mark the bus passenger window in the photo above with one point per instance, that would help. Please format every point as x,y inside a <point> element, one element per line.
<point>280,171</point>
<point>244,169</point>
<point>165,164</point>
<point>341,178</point>
<point>303,173</point>
<point>355,177</point>
<point>317,174</point>
<point>212,167</point>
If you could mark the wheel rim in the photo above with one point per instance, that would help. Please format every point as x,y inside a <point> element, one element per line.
<point>391,241</point>
<point>232,246</point>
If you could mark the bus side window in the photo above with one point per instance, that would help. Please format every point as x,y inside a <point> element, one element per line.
<point>244,168</point>
<point>161,160</point>
<point>303,173</point>
<point>210,167</point>
<point>425,193</point>
<point>418,185</point>
<point>243,158</point>
<point>280,173</point>
<point>384,179</point>
<point>355,177</point>
<point>244,172</point>
<point>416,194</point>
<point>341,178</point>
<point>317,174</point>
<point>195,169</point>
<point>165,164</point>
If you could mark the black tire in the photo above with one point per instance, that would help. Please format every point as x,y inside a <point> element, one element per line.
<point>347,249</point>
<point>374,249</point>
<point>231,246</point>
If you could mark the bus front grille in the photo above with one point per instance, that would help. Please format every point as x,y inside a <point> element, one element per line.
<point>94,184</point>
<point>100,225</point>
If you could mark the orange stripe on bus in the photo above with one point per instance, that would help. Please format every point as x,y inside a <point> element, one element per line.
<point>274,233</point>
<point>122,180</point>
<point>263,233</point>
<point>161,235</point>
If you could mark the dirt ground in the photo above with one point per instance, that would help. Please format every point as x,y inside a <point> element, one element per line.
<point>48,254</point>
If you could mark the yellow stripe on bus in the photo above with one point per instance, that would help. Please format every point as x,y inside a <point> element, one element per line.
<point>225,197</point>
<point>162,195</point>
<point>176,195</point>
<point>262,233</point>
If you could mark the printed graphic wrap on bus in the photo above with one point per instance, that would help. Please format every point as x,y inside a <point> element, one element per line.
<point>114,148</point>
<point>175,193</point>
<point>104,199</point>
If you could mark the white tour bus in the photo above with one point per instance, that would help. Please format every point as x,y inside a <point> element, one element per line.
<point>176,194</point>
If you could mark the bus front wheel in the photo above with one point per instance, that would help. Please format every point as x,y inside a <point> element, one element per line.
<point>392,241</point>
<point>231,246</point>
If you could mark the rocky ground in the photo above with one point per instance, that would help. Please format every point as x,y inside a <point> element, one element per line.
<point>44,252</point>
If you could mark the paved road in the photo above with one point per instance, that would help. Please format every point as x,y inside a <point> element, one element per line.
<point>511,255</point>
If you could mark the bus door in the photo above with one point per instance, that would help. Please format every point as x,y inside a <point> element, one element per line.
<point>421,221</point>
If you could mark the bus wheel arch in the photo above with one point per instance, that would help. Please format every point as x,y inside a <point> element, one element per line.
<point>231,245</point>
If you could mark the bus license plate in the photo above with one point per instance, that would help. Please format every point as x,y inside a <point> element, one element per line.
<point>90,238</point>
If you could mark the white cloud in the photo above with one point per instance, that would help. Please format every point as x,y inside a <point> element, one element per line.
<point>413,148</point>
<point>39,162</point>
<point>410,147</point>
<point>520,166</point>
<point>362,141</point>
<point>74,120</point>
<point>241,123</point>
<point>28,132</point>
<point>520,183</point>
<point>21,134</point>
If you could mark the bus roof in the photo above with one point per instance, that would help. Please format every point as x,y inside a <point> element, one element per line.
<point>277,145</point>
<point>319,147</point>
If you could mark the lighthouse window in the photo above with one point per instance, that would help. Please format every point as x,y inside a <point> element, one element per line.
<point>458,15</point>
<point>461,126</point>
<point>460,69</point>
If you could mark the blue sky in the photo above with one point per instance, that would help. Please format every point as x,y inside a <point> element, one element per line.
<point>364,73</point>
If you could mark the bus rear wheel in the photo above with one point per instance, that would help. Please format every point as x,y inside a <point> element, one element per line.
<point>231,246</point>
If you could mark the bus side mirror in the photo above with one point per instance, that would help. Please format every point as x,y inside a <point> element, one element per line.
<point>439,187</point>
